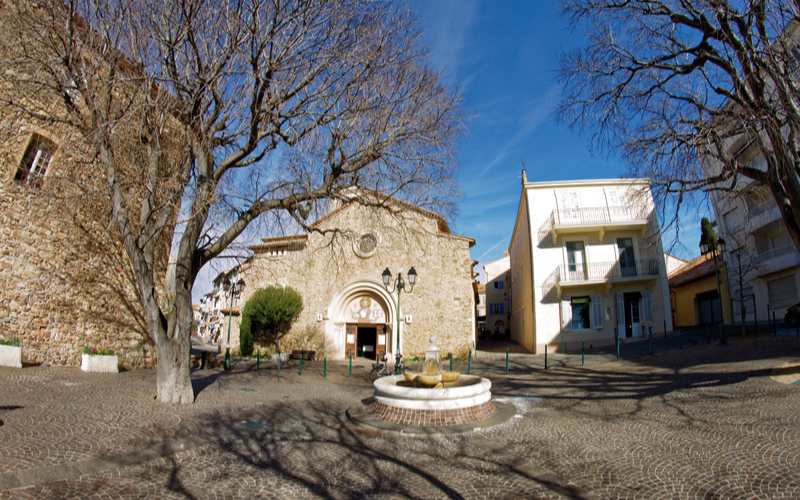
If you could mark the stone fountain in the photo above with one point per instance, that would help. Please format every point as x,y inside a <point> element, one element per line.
<point>432,398</point>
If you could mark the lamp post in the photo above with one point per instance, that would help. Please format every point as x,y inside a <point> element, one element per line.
<point>718,250</point>
<point>399,285</point>
<point>234,290</point>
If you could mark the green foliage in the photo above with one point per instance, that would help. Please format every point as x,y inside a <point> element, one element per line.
<point>97,352</point>
<point>12,341</point>
<point>246,343</point>
<point>270,313</point>
<point>707,234</point>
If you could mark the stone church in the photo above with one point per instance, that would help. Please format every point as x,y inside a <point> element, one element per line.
<point>338,267</point>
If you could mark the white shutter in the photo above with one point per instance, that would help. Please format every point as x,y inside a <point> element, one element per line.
<point>566,313</point>
<point>597,311</point>
<point>620,314</point>
<point>648,306</point>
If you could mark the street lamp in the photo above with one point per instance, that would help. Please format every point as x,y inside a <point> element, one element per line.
<point>234,290</point>
<point>399,284</point>
<point>718,250</point>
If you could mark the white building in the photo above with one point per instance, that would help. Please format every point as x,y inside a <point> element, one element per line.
<point>763,262</point>
<point>214,308</point>
<point>585,261</point>
<point>497,294</point>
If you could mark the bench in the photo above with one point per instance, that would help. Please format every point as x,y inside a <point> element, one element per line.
<point>303,354</point>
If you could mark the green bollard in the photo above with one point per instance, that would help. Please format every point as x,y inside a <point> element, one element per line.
<point>325,368</point>
<point>545,357</point>
<point>350,373</point>
<point>279,362</point>
<point>451,361</point>
<point>469,362</point>
<point>506,360</point>
<point>583,352</point>
<point>300,369</point>
<point>258,359</point>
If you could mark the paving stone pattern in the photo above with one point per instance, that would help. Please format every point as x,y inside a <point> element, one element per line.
<point>704,422</point>
<point>406,416</point>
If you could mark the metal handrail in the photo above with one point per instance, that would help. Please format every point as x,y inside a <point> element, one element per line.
<point>590,215</point>
<point>602,270</point>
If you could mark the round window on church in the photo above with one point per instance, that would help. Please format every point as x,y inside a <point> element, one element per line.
<point>366,244</point>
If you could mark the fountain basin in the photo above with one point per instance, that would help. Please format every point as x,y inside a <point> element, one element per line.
<point>465,392</point>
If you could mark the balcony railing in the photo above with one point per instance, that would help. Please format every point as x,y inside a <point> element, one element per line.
<point>600,272</point>
<point>590,216</point>
<point>776,252</point>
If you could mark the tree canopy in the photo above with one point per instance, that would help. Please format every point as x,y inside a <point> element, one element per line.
<point>207,115</point>
<point>699,96</point>
<point>269,314</point>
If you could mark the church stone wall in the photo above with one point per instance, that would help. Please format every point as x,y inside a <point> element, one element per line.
<point>441,303</point>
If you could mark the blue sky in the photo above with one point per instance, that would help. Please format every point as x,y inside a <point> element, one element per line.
<point>503,55</point>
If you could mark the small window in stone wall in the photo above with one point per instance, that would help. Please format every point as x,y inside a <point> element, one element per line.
<point>366,245</point>
<point>35,161</point>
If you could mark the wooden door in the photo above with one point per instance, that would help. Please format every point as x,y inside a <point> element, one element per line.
<point>381,341</point>
<point>351,333</point>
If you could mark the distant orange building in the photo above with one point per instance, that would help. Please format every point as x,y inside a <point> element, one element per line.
<point>693,293</point>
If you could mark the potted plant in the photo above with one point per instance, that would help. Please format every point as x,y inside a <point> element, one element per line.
<point>10,353</point>
<point>99,360</point>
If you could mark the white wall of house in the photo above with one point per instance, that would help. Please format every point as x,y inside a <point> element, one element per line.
<point>577,231</point>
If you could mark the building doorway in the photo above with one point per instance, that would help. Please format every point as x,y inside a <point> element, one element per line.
<point>366,341</point>
<point>708,308</point>
<point>633,325</point>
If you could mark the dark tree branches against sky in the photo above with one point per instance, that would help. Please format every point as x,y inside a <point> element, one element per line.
<point>675,86</point>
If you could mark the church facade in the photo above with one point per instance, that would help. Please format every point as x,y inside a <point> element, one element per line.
<point>338,268</point>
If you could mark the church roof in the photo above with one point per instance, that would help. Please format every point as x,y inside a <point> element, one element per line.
<point>298,242</point>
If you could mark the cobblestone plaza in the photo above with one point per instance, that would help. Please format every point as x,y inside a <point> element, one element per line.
<point>702,422</point>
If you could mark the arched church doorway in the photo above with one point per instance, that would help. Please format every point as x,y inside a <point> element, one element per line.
<point>362,318</point>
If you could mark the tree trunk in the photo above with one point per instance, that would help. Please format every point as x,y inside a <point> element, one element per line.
<point>173,380</point>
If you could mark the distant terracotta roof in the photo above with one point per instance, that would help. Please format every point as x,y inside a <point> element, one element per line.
<point>698,268</point>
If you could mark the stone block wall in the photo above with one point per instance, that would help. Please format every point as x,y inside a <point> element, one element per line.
<point>440,305</point>
<point>65,281</point>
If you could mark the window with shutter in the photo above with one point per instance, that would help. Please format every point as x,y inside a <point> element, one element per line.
<point>566,314</point>
<point>597,311</point>
<point>647,301</point>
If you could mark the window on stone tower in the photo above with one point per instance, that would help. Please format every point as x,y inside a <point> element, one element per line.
<point>35,161</point>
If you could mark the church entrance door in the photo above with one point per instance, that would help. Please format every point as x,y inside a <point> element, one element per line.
<point>367,341</point>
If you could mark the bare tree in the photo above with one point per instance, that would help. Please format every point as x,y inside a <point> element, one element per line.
<point>208,114</point>
<point>743,268</point>
<point>673,83</point>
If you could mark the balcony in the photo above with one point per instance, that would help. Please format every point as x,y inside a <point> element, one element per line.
<point>762,214</point>
<point>600,273</point>
<point>593,219</point>
<point>778,259</point>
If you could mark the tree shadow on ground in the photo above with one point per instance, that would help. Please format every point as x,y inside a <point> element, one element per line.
<point>706,368</point>
<point>312,447</point>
